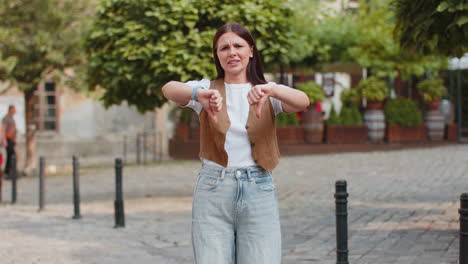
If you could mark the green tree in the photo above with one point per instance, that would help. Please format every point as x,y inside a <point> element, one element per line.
<point>321,35</point>
<point>136,46</point>
<point>432,26</point>
<point>364,37</point>
<point>377,49</point>
<point>39,38</point>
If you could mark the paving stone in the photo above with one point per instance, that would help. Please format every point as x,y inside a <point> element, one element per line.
<point>402,209</point>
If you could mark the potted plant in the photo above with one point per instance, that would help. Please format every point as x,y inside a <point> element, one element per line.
<point>183,125</point>
<point>312,118</point>
<point>186,141</point>
<point>375,92</point>
<point>405,122</point>
<point>345,127</point>
<point>432,91</point>
<point>288,130</point>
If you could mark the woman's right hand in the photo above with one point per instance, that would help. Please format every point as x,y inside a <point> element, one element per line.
<point>211,100</point>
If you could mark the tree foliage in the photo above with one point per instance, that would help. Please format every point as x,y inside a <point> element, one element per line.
<point>377,49</point>
<point>136,46</point>
<point>364,36</point>
<point>433,26</point>
<point>321,35</point>
<point>39,37</point>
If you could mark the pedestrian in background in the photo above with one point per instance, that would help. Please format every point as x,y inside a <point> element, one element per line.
<point>235,218</point>
<point>8,135</point>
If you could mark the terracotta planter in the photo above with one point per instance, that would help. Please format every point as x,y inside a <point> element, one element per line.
<point>312,122</point>
<point>435,123</point>
<point>374,105</point>
<point>182,132</point>
<point>374,119</point>
<point>346,134</point>
<point>195,133</point>
<point>400,134</point>
<point>451,132</point>
<point>290,135</point>
<point>434,105</point>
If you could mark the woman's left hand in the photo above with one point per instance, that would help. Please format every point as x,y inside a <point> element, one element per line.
<point>259,94</point>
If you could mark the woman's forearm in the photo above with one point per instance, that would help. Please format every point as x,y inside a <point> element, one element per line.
<point>293,100</point>
<point>178,92</point>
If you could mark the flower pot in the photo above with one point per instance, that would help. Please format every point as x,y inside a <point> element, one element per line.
<point>290,135</point>
<point>452,132</point>
<point>374,105</point>
<point>374,119</point>
<point>434,105</point>
<point>402,134</point>
<point>182,132</point>
<point>435,123</point>
<point>312,121</point>
<point>346,134</point>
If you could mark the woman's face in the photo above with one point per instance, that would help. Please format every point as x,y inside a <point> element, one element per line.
<point>233,53</point>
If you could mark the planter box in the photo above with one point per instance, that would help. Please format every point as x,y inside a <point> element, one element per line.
<point>451,132</point>
<point>182,132</point>
<point>312,121</point>
<point>346,134</point>
<point>406,134</point>
<point>290,135</point>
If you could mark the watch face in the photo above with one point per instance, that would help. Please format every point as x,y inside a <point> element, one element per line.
<point>328,84</point>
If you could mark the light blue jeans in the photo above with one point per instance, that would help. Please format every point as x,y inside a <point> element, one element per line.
<point>235,217</point>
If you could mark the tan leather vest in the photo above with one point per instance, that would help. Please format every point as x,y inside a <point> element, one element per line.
<point>261,131</point>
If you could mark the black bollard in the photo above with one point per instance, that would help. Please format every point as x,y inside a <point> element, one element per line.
<point>12,171</point>
<point>144,135</point>
<point>154,146</point>
<point>76,188</point>
<point>138,148</point>
<point>463,228</point>
<point>41,183</point>
<point>118,204</point>
<point>125,149</point>
<point>341,223</point>
<point>160,146</point>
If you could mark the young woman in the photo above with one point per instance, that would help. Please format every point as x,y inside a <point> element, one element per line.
<point>235,216</point>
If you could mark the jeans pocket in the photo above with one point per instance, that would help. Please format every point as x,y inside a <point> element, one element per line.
<point>208,183</point>
<point>265,183</point>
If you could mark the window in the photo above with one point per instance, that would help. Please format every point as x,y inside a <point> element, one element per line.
<point>46,106</point>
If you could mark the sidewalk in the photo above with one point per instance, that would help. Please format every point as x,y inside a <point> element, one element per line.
<point>402,209</point>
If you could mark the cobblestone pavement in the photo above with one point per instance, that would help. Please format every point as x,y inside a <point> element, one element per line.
<point>402,209</point>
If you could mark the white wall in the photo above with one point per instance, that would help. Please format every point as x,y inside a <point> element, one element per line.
<point>342,82</point>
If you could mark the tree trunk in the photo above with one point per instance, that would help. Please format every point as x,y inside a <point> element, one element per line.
<point>29,101</point>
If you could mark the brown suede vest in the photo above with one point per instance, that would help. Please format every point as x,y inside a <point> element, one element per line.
<point>261,131</point>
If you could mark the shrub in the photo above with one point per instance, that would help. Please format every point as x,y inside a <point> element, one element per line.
<point>404,112</point>
<point>431,89</point>
<point>373,89</point>
<point>349,116</point>
<point>333,118</point>
<point>185,115</point>
<point>312,90</point>
<point>284,120</point>
<point>350,96</point>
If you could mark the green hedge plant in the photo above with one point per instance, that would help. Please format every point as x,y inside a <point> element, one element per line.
<point>373,89</point>
<point>403,112</point>
<point>348,116</point>
<point>431,89</point>
<point>284,120</point>
<point>313,90</point>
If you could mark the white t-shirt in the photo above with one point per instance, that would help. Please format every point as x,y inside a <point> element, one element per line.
<point>237,144</point>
